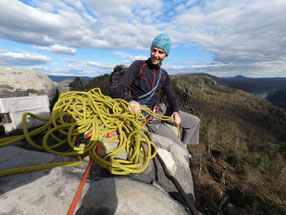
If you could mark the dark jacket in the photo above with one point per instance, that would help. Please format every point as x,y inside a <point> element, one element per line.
<point>141,77</point>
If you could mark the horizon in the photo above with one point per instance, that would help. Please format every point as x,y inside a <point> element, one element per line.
<point>177,74</point>
<point>89,38</point>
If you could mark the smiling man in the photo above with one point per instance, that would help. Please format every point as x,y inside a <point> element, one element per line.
<point>145,80</point>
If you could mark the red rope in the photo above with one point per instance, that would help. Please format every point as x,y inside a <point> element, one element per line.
<point>81,185</point>
<point>155,109</point>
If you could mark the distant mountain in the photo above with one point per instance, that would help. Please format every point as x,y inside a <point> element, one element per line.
<point>61,78</point>
<point>239,77</point>
<point>272,89</point>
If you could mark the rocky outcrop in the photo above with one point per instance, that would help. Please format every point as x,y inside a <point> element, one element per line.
<point>115,76</point>
<point>184,97</point>
<point>79,84</point>
<point>104,82</point>
<point>121,195</point>
<point>64,86</point>
<point>17,82</point>
<point>51,191</point>
<point>177,162</point>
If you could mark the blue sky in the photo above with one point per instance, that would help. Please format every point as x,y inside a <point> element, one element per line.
<point>90,37</point>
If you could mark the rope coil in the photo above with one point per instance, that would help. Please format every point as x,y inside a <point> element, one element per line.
<point>73,115</point>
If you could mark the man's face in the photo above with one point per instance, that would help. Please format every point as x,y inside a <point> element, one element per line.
<point>157,55</point>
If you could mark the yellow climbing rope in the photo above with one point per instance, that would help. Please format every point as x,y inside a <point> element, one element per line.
<point>77,113</point>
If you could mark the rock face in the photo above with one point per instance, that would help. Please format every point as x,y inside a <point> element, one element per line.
<point>64,86</point>
<point>79,84</point>
<point>115,76</point>
<point>121,195</point>
<point>177,162</point>
<point>51,191</point>
<point>16,82</point>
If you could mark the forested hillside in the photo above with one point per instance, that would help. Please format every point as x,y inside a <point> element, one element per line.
<point>242,152</point>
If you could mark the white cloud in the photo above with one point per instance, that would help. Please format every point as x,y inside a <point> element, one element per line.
<point>66,26</point>
<point>245,36</point>
<point>242,35</point>
<point>78,68</point>
<point>22,58</point>
<point>105,24</point>
<point>47,7</point>
<point>87,68</point>
<point>180,8</point>
<point>121,10</point>
<point>128,58</point>
<point>57,49</point>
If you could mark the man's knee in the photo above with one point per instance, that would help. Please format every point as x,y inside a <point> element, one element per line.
<point>197,120</point>
<point>189,120</point>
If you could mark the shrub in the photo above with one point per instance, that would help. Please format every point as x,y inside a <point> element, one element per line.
<point>264,163</point>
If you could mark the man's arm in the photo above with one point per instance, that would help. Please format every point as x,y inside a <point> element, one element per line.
<point>172,99</point>
<point>168,91</point>
<point>125,81</point>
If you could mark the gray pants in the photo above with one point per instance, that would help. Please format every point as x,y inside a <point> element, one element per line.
<point>190,125</point>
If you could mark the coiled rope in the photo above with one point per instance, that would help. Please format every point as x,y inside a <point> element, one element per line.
<point>76,113</point>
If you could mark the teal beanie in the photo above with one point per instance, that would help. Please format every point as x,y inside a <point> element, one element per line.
<point>162,41</point>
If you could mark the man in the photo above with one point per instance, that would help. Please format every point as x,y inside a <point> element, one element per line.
<point>146,79</point>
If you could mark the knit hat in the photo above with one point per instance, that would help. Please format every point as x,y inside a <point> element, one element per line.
<point>162,41</point>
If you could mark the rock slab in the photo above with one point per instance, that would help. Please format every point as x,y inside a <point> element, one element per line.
<point>51,191</point>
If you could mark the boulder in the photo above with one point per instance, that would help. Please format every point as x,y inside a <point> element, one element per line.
<point>16,82</point>
<point>78,84</point>
<point>176,160</point>
<point>51,191</point>
<point>40,192</point>
<point>64,86</point>
<point>122,195</point>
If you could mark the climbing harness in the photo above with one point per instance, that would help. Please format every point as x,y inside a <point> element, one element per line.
<point>151,92</point>
<point>149,116</point>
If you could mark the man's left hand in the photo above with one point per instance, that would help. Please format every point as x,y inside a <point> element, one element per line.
<point>176,117</point>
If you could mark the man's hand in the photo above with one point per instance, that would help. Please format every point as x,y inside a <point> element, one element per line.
<point>177,118</point>
<point>135,105</point>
